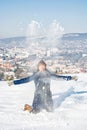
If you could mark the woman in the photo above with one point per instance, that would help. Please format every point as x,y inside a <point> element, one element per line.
<point>42,95</point>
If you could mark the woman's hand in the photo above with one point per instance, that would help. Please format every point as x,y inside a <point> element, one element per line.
<point>74,78</point>
<point>10,83</point>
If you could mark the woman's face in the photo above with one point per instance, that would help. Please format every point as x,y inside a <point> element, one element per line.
<point>42,67</point>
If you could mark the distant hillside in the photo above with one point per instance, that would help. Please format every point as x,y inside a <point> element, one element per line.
<point>74,36</point>
<point>20,41</point>
<point>13,41</point>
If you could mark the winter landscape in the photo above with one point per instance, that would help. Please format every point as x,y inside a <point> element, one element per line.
<point>56,32</point>
<point>70,103</point>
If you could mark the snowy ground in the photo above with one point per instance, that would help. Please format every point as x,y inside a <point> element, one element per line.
<point>70,102</point>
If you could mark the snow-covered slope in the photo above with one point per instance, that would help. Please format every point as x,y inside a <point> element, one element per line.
<point>70,102</point>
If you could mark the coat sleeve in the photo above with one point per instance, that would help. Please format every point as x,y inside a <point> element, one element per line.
<point>60,77</point>
<point>24,80</point>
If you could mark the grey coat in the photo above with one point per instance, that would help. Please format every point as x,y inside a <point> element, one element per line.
<point>42,95</point>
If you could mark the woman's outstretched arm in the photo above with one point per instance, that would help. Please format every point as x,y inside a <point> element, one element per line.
<point>24,80</point>
<point>60,77</point>
<point>21,81</point>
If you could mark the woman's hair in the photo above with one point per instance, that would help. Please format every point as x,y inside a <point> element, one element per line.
<point>41,63</point>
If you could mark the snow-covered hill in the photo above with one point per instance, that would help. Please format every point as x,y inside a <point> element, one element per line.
<point>70,102</point>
